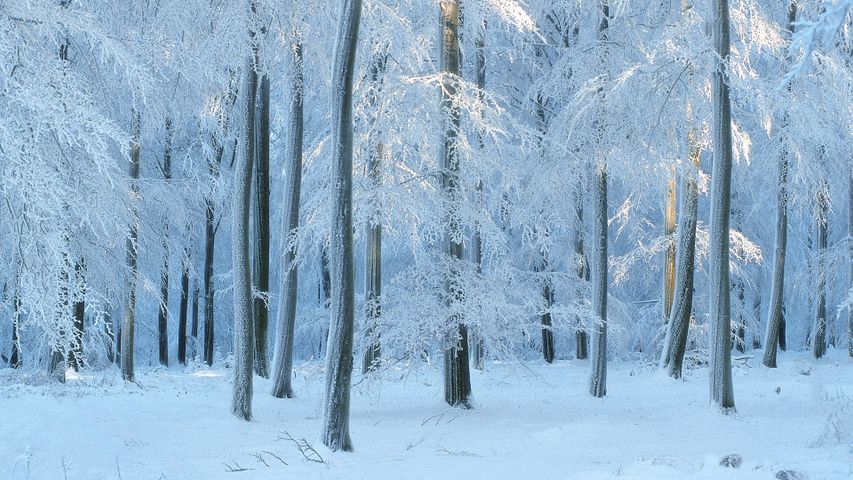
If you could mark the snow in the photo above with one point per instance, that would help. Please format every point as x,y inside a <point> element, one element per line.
<point>534,422</point>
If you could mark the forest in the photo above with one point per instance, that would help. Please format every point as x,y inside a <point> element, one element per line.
<point>426,239</point>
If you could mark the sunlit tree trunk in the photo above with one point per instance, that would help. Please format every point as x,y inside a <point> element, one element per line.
<point>819,328</point>
<point>678,325</point>
<point>775,335</point>
<point>335,434</point>
<point>244,325</point>
<point>129,322</point>
<point>720,359</point>
<point>598,337</point>
<point>669,254</point>
<point>283,359</point>
<point>261,270</point>
<point>457,379</point>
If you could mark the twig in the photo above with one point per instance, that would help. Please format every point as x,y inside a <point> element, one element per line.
<point>274,456</point>
<point>236,468</point>
<point>305,448</point>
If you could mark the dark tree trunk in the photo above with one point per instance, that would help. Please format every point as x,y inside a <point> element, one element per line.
<point>819,329</point>
<point>15,357</point>
<point>75,354</point>
<point>582,269</point>
<point>261,271</point>
<point>194,328</point>
<point>479,348</point>
<point>182,315</point>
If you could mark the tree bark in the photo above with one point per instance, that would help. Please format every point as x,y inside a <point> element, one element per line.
<point>457,380</point>
<point>850,259</point>
<point>163,314</point>
<point>283,360</point>
<point>669,255</point>
<point>129,321</point>
<point>335,434</point>
<point>582,269</point>
<point>194,328</point>
<point>774,335</point>
<point>75,354</point>
<point>682,308</point>
<point>261,270</point>
<point>182,316</point>
<point>15,357</point>
<point>819,328</point>
<point>720,360</point>
<point>477,241</point>
<point>373,247</point>
<point>598,340</point>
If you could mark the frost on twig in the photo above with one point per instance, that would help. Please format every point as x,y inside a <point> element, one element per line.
<point>304,447</point>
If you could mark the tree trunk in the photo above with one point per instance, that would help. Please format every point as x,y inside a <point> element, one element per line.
<point>682,308</point>
<point>582,269</point>
<point>775,317</point>
<point>182,316</point>
<point>720,311</point>
<point>850,259</point>
<point>457,380</point>
<point>547,332</point>
<point>244,327</point>
<point>476,242</point>
<point>598,340</point>
<point>129,321</point>
<point>261,271</point>
<point>819,329</point>
<point>283,360</point>
<point>15,357</point>
<point>373,247</point>
<point>75,354</point>
<point>335,433</point>
<point>194,329</point>
<point>163,315</point>
<point>669,255</point>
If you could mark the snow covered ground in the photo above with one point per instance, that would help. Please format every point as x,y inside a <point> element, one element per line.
<point>534,421</point>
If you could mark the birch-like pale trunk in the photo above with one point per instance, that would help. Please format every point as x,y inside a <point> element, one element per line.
<point>721,393</point>
<point>244,325</point>
<point>457,377</point>
<point>819,328</point>
<point>261,270</point>
<point>129,320</point>
<point>678,325</point>
<point>774,336</point>
<point>598,337</point>
<point>335,434</point>
<point>286,327</point>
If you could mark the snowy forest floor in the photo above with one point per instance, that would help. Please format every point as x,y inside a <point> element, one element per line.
<point>533,421</point>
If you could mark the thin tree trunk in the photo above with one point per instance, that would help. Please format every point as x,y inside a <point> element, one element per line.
<point>774,335</point>
<point>194,328</point>
<point>335,432</point>
<point>163,314</point>
<point>582,269</point>
<point>477,241</point>
<point>373,247</point>
<point>129,321</point>
<point>679,322</point>
<point>283,360</point>
<point>819,329</point>
<point>669,255</point>
<point>15,357</point>
<point>720,360</point>
<point>182,316</point>
<point>261,271</point>
<point>545,319</point>
<point>598,340</point>
<point>75,354</point>
<point>457,380</point>
<point>850,259</point>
